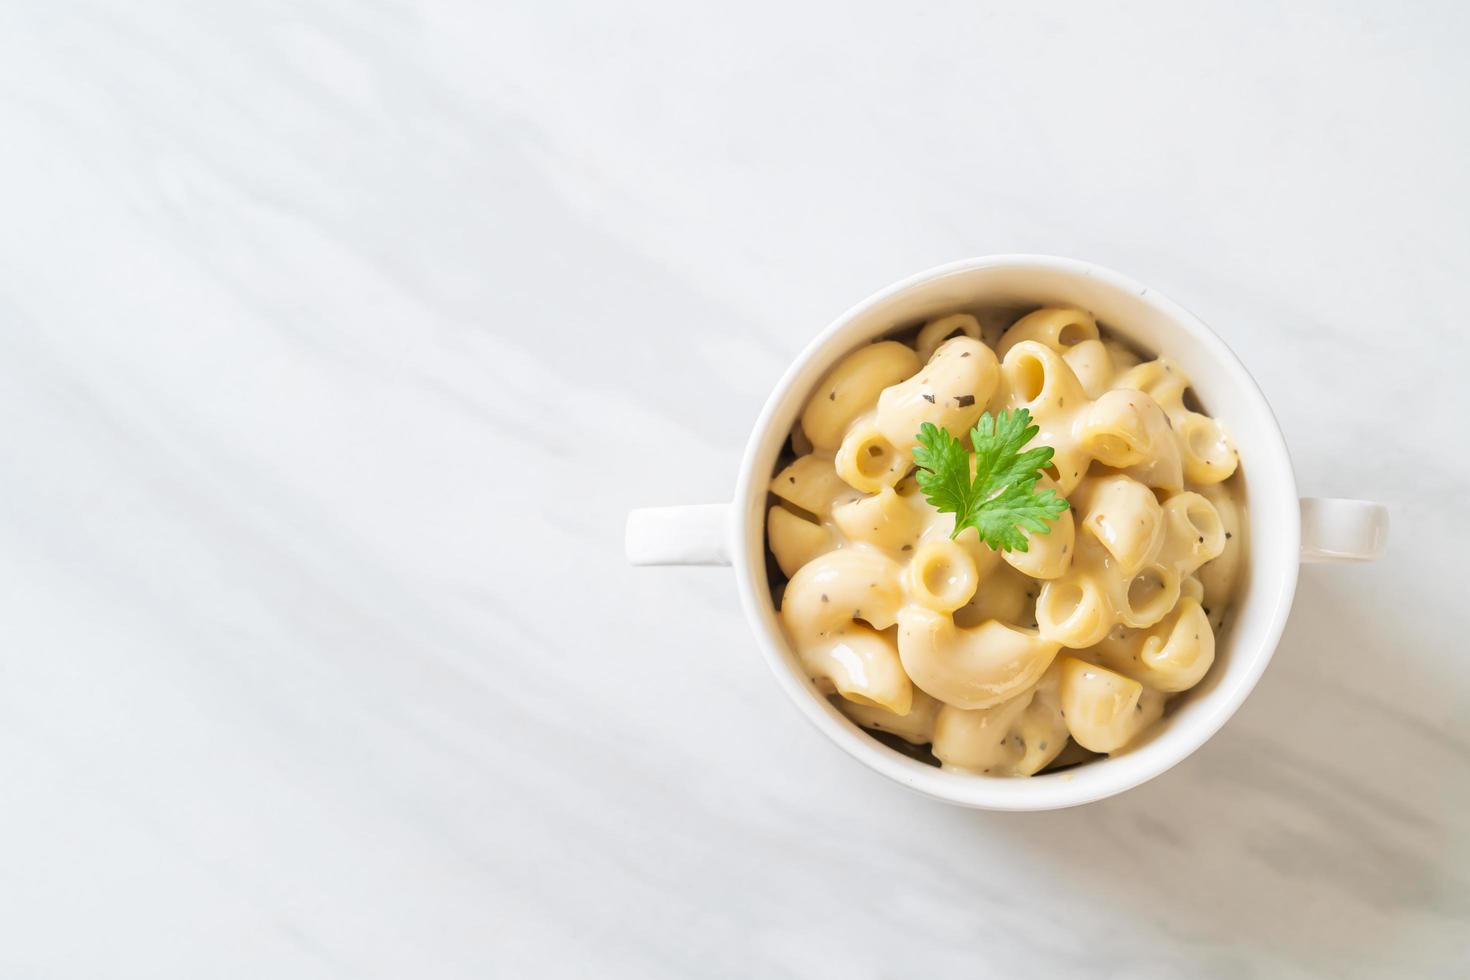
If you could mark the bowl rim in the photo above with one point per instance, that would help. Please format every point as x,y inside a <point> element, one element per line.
<point>1106,777</point>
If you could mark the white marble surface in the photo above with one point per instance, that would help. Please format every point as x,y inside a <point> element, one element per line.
<point>336,338</point>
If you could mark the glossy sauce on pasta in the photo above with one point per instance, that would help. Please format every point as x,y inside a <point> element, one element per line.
<point>1007,663</point>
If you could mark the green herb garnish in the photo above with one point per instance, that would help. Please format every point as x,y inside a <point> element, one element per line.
<point>1001,499</point>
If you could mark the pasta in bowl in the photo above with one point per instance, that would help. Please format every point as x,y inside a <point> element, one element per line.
<point>1029,597</point>
<point>1010,660</point>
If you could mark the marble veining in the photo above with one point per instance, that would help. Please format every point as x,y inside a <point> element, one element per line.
<point>336,339</point>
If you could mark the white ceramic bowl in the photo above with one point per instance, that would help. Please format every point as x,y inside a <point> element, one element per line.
<point>1282,530</point>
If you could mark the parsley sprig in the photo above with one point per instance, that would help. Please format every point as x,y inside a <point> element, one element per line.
<point>1001,499</point>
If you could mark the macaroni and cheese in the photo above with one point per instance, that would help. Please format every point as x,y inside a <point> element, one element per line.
<point>997,661</point>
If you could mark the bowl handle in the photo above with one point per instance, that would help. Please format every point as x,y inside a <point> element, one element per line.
<point>698,534</point>
<point>1337,530</point>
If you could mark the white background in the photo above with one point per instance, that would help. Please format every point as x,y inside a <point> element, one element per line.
<point>336,339</point>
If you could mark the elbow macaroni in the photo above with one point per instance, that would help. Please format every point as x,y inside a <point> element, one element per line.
<point>999,662</point>
<point>974,667</point>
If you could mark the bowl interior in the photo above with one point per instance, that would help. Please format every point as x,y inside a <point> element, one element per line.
<point>1152,323</point>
